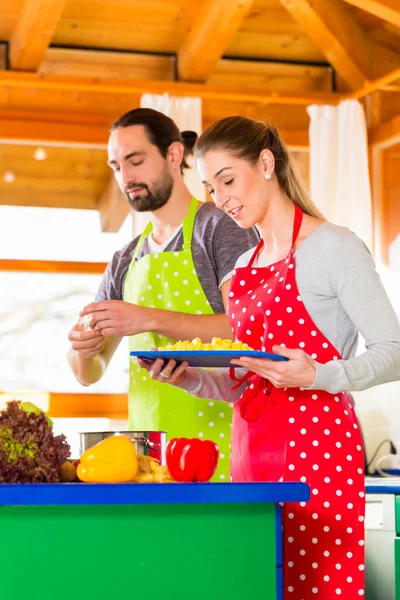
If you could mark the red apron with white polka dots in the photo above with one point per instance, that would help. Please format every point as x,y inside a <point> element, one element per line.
<point>294,434</point>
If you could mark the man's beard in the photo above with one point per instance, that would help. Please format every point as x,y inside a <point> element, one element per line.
<point>154,198</point>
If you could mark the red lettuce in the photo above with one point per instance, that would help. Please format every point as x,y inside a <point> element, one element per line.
<point>29,450</point>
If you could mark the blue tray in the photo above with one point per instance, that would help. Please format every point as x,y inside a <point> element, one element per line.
<point>203,358</point>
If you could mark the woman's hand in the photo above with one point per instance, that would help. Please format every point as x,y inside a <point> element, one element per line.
<point>164,373</point>
<point>299,371</point>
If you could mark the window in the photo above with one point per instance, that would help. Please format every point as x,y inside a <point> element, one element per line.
<point>38,309</point>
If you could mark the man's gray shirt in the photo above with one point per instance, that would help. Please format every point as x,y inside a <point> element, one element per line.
<point>217,243</point>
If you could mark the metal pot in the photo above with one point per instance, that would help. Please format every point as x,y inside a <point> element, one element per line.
<point>149,443</point>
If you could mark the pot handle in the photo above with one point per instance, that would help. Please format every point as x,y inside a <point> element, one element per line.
<point>148,443</point>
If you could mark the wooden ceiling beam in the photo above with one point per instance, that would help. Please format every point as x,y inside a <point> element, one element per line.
<point>103,64</point>
<point>31,128</point>
<point>271,76</point>
<point>113,207</point>
<point>390,88</point>
<point>33,32</point>
<point>268,75</point>
<point>343,41</point>
<point>216,23</point>
<point>131,87</point>
<point>35,128</point>
<point>387,10</point>
<point>375,84</point>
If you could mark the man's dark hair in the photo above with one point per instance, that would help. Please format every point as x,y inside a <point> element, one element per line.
<point>161,130</point>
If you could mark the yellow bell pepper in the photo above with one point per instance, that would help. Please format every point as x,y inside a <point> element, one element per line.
<point>112,460</point>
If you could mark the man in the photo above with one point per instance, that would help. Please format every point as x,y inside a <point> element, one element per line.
<point>169,284</point>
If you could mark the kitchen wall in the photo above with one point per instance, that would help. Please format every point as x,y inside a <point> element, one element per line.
<point>378,408</point>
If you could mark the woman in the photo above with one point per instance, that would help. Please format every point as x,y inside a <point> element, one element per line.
<point>304,293</point>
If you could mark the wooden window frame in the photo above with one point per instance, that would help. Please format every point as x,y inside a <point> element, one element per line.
<point>67,405</point>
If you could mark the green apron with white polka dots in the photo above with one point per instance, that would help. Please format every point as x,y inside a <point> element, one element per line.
<point>169,281</point>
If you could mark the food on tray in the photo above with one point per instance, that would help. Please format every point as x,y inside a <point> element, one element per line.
<point>112,460</point>
<point>29,450</point>
<point>216,344</point>
<point>190,460</point>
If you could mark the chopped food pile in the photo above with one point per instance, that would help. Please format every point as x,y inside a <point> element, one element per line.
<point>216,344</point>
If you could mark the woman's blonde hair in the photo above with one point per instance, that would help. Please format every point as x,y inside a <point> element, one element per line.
<point>246,138</point>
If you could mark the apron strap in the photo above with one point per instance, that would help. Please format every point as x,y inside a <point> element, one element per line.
<point>188,224</point>
<point>256,252</point>
<point>239,380</point>
<point>298,218</point>
<point>144,235</point>
<point>256,395</point>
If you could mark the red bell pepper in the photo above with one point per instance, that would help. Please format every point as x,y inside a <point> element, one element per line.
<point>192,459</point>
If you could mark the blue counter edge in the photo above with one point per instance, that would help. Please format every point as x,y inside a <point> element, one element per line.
<point>54,494</point>
<point>382,489</point>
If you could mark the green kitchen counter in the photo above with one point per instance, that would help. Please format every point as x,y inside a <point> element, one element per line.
<point>382,547</point>
<point>81,541</point>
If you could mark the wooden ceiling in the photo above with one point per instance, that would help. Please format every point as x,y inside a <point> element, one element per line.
<point>68,68</point>
<point>67,178</point>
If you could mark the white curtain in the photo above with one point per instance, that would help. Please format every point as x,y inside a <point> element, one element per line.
<point>339,176</point>
<point>187,114</point>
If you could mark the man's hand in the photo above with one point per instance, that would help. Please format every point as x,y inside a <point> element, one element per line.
<point>116,317</point>
<point>168,373</point>
<point>86,343</point>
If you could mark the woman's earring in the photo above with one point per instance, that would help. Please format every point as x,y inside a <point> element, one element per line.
<point>267,176</point>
